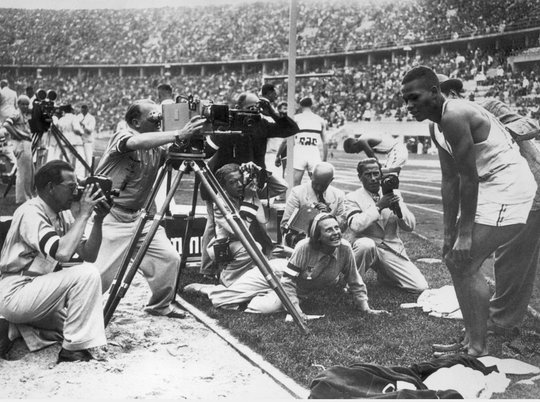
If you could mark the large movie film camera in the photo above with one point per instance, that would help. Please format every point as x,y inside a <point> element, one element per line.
<point>43,110</point>
<point>186,157</point>
<point>220,120</point>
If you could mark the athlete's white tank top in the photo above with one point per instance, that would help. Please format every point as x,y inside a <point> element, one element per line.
<point>503,173</point>
<point>311,127</point>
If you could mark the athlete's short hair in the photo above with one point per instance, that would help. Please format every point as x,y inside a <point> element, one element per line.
<point>426,74</point>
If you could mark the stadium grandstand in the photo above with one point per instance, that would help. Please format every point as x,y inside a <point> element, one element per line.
<point>106,58</point>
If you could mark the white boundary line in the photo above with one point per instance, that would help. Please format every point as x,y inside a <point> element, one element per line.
<point>425,209</point>
<point>287,383</point>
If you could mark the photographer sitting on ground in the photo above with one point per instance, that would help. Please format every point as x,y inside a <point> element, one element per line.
<point>322,261</point>
<point>250,146</point>
<point>242,187</point>
<point>132,160</point>
<point>373,230</point>
<point>48,293</point>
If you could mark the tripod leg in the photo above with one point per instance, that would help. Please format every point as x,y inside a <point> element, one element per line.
<point>218,196</point>
<point>60,136</point>
<point>11,182</point>
<point>144,247</point>
<point>143,218</point>
<point>187,235</point>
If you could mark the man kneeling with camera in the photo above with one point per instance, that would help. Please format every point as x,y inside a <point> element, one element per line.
<point>48,290</point>
<point>243,184</point>
<point>375,213</point>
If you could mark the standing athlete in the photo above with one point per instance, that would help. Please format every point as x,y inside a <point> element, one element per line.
<point>485,179</point>
<point>306,150</point>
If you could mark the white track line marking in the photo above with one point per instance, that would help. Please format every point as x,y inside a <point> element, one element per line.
<point>425,209</point>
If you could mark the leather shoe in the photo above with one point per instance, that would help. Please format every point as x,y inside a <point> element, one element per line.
<point>175,313</point>
<point>74,356</point>
<point>5,342</point>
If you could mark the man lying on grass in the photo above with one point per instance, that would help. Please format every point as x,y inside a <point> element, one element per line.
<point>320,261</point>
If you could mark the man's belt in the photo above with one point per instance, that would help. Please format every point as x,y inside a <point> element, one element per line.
<point>126,209</point>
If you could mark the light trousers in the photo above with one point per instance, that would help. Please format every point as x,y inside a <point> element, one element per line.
<point>159,265</point>
<point>391,268</point>
<point>64,305</point>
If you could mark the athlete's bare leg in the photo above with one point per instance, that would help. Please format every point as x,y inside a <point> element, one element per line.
<point>471,287</point>
<point>297,178</point>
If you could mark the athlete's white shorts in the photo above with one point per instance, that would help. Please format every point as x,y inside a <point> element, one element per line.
<point>305,158</point>
<point>496,214</point>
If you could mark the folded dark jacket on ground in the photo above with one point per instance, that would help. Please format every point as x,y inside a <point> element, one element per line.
<point>362,380</point>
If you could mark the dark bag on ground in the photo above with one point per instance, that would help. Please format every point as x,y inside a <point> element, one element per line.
<point>362,380</point>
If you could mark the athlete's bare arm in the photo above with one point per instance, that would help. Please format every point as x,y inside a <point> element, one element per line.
<point>324,143</point>
<point>456,127</point>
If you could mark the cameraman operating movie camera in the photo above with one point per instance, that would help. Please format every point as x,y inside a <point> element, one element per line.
<point>132,160</point>
<point>374,217</point>
<point>250,146</point>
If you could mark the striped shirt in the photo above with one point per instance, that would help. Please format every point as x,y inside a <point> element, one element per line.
<point>33,238</point>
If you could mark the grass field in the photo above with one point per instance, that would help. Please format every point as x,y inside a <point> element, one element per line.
<point>344,336</point>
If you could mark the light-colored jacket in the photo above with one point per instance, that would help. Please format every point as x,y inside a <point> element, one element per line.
<point>364,220</point>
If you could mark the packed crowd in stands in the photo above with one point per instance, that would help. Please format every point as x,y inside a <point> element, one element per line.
<point>245,31</point>
<point>351,94</point>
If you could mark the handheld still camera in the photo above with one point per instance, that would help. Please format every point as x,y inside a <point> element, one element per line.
<point>389,183</point>
<point>254,174</point>
<point>104,183</point>
<point>43,110</point>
